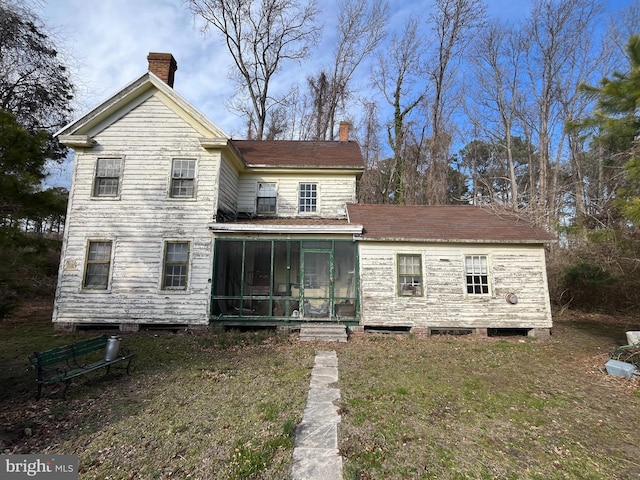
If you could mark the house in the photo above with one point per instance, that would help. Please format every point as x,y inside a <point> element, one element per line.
<point>171,222</point>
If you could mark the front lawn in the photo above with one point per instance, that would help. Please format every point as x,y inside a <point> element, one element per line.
<point>224,405</point>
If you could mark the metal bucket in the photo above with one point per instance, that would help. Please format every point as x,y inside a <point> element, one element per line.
<point>633,337</point>
<point>111,351</point>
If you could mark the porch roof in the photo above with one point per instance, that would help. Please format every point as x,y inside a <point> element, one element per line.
<point>287,225</point>
<point>443,223</point>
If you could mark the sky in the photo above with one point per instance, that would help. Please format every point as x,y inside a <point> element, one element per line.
<point>107,43</point>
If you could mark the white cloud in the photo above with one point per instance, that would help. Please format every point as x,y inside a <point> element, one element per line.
<point>110,40</point>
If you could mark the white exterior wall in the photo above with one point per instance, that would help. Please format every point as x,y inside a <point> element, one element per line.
<point>514,269</point>
<point>334,191</point>
<point>228,190</point>
<point>138,222</point>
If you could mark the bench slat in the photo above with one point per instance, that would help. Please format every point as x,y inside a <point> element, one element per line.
<point>88,346</point>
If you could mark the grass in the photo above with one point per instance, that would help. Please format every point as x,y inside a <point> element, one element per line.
<point>225,405</point>
<point>466,408</point>
<point>218,405</point>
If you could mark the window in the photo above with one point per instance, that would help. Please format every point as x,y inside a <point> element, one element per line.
<point>96,273</point>
<point>107,178</point>
<point>183,173</point>
<point>308,197</point>
<point>176,260</point>
<point>410,275</point>
<point>477,274</point>
<point>266,202</point>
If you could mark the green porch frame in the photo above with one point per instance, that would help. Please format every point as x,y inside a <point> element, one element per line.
<point>272,282</point>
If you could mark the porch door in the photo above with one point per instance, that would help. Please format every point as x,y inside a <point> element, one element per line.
<point>317,284</point>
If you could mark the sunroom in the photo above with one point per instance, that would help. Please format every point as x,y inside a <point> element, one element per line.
<point>272,281</point>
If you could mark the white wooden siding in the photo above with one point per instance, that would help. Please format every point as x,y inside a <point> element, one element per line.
<point>512,269</point>
<point>228,188</point>
<point>334,191</point>
<point>138,222</point>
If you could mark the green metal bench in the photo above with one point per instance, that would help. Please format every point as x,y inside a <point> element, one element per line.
<point>63,364</point>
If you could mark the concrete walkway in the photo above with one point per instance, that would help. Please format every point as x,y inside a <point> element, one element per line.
<point>315,453</point>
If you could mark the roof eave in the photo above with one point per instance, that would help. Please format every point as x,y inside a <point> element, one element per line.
<point>289,229</point>
<point>341,169</point>
<point>77,141</point>
<point>456,240</point>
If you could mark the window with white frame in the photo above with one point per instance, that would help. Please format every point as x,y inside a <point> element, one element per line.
<point>183,173</point>
<point>176,262</point>
<point>409,275</point>
<point>98,264</point>
<point>107,179</point>
<point>308,198</point>
<point>477,274</point>
<point>266,199</point>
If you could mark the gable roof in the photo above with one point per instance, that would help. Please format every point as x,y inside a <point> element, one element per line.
<point>443,223</point>
<point>300,154</point>
<point>118,104</point>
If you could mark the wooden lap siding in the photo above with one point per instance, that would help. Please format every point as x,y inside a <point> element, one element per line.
<point>445,303</point>
<point>334,191</point>
<point>148,138</point>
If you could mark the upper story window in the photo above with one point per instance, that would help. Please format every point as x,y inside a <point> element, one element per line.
<point>477,274</point>
<point>410,275</point>
<point>183,178</point>
<point>266,200</point>
<point>96,271</point>
<point>308,198</point>
<point>107,181</point>
<point>176,262</point>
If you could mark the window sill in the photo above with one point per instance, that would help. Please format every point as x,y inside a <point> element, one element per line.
<point>94,291</point>
<point>479,297</point>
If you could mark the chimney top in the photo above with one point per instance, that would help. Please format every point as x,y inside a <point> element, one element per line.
<point>163,65</point>
<point>344,131</point>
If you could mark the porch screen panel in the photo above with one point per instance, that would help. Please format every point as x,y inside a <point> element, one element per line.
<point>228,278</point>
<point>286,275</point>
<point>344,272</point>
<point>257,278</point>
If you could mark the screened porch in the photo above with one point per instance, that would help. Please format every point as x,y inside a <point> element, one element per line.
<point>284,281</point>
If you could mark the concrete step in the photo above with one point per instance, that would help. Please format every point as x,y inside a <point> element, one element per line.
<point>323,332</point>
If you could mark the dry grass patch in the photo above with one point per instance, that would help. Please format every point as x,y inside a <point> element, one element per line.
<point>469,408</point>
<point>222,405</point>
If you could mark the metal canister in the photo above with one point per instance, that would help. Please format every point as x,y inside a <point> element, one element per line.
<point>113,345</point>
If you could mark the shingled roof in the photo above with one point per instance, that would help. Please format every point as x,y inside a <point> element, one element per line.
<point>300,154</point>
<point>446,223</point>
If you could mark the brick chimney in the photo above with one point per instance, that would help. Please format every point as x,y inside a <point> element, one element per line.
<point>344,131</point>
<point>164,66</point>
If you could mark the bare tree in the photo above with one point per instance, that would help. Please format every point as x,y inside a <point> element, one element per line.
<point>361,27</point>
<point>396,75</point>
<point>621,27</point>
<point>260,35</point>
<point>454,23</point>
<point>497,59</point>
<point>558,59</point>
<point>371,185</point>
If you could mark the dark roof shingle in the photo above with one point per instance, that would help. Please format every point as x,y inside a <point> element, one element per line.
<point>300,154</point>
<point>460,223</point>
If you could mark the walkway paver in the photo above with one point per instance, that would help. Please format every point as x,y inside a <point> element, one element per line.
<point>315,453</point>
